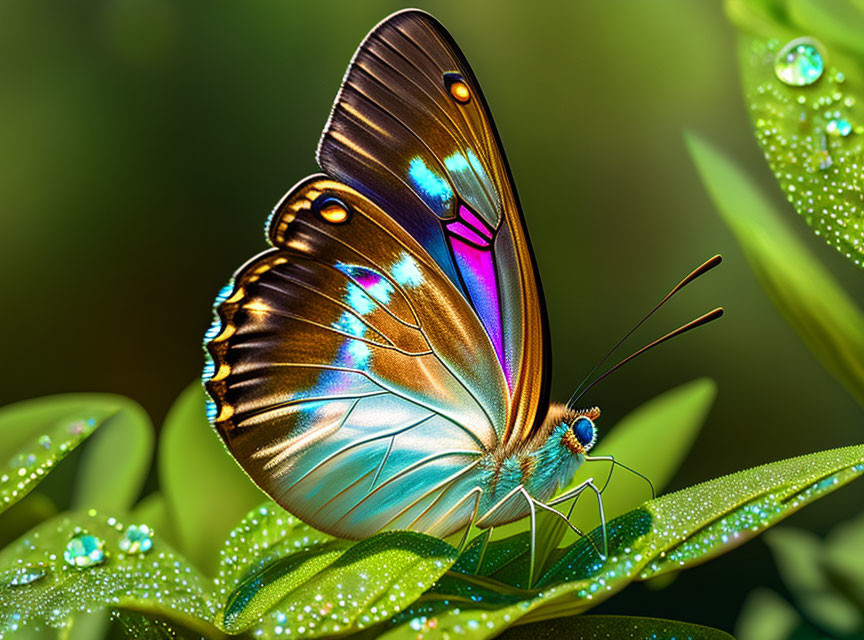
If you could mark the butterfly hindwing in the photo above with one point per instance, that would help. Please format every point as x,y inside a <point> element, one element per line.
<point>411,131</point>
<point>350,377</point>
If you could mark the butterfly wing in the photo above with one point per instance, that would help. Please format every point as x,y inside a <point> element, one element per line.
<point>346,373</point>
<point>411,131</point>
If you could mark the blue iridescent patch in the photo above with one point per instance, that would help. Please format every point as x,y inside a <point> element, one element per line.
<point>357,353</point>
<point>358,300</point>
<point>433,188</point>
<point>209,367</point>
<point>471,182</point>
<point>213,330</point>
<point>210,410</point>
<point>370,281</point>
<point>405,272</point>
<point>216,325</point>
<point>458,162</point>
<point>351,324</point>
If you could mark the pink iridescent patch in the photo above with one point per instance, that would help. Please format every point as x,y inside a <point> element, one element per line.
<point>471,241</point>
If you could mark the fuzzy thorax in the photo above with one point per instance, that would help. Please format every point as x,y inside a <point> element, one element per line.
<point>544,463</point>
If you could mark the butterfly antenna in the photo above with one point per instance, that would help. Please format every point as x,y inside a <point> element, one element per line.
<point>702,269</point>
<point>698,322</point>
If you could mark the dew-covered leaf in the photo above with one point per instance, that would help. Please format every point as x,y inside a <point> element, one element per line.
<point>803,81</point>
<point>130,624</point>
<point>267,556</point>
<point>37,434</point>
<point>798,555</point>
<point>824,316</point>
<point>618,627</point>
<point>667,534</point>
<point>40,587</point>
<point>207,492</point>
<point>715,516</point>
<point>301,583</point>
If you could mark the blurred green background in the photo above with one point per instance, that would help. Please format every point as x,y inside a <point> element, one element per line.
<point>143,143</point>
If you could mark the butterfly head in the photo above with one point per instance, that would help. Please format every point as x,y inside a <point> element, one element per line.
<point>584,431</point>
<point>572,430</point>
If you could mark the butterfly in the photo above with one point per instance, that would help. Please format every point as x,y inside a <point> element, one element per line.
<point>386,364</point>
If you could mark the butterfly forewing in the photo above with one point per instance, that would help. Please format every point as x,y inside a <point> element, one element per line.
<point>347,375</point>
<point>411,131</point>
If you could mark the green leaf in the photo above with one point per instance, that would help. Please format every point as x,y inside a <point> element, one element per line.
<point>267,556</point>
<point>827,320</point>
<point>844,562</point>
<point>668,534</point>
<point>158,582</point>
<point>25,514</point>
<point>837,22</point>
<point>653,439</point>
<point>816,162</point>
<point>730,510</point>
<point>799,557</point>
<point>87,626</point>
<point>206,491</point>
<point>766,616</point>
<point>129,624</point>
<point>310,584</point>
<point>116,461</point>
<point>38,434</point>
<point>619,627</point>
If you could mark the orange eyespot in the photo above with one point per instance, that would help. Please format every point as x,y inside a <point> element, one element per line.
<point>460,92</point>
<point>333,210</point>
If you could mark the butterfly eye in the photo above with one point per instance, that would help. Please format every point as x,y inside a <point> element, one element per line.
<point>332,209</point>
<point>583,429</point>
<point>459,91</point>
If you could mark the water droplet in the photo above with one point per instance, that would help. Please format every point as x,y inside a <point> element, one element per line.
<point>838,127</point>
<point>77,428</point>
<point>45,442</point>
<point>23,461</point>
<point>799,63</point>
<point>137,539</point>
<point>821,160</point>
<point>29,574</point>
<point>84,550</point>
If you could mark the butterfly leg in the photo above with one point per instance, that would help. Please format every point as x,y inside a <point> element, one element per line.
<point>477,493</point>
<point>483,549</point>
<point>611,458</point>
<point>516,493</point>
<point>575,493</point>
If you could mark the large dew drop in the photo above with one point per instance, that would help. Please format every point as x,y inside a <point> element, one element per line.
<point>84,550</point>
<point>137,539</point>
<point>799,63</point>
<point>838,127</point>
